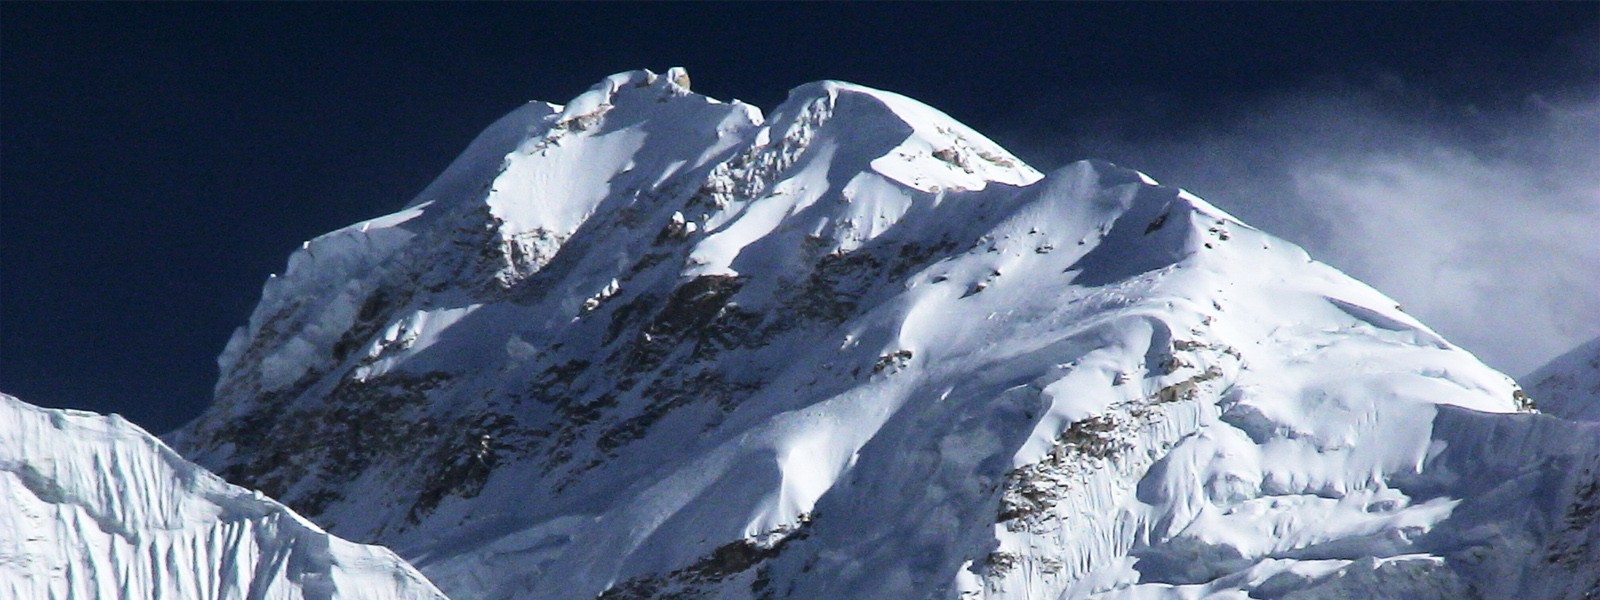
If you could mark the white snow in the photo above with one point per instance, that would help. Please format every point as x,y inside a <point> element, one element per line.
<point>93,507</point>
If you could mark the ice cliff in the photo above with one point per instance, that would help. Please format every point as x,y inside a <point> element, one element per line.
<point>92,507</point>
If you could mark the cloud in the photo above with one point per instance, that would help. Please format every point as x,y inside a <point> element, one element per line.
<point>1482,222</point>
<point>1499,253</point>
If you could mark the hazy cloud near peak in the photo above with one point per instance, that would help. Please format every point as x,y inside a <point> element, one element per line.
<point>1484,222</point>
<point>1499,255</point>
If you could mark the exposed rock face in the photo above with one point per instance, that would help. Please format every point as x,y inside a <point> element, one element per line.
<point>93,507</point>
<point>649,344</point>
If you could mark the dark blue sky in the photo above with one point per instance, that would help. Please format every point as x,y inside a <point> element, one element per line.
<point>160,160</point>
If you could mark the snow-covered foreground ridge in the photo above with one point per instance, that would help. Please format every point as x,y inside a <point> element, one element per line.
<point>93,507</point>
<point>650,344</point>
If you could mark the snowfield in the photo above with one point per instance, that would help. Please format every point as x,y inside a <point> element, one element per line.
<point>648,344</point>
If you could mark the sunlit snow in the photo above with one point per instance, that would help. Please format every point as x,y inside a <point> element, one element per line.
<point>650,343</point>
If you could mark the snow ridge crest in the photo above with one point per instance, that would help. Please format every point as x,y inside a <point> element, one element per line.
<point>94,507</point>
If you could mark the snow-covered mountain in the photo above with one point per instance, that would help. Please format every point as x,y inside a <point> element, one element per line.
<point>1569,386</point>
<point>93,507</point>
<point>650,344</point>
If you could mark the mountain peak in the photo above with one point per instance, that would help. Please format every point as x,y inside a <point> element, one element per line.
<point>924,148</point>
<point>628,86</point>
<point>650,343</point>
<point>1569,385</point>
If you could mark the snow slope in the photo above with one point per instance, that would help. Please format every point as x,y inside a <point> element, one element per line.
<point>93,507</point>
<point>649,344</point>
<point>1569,386</point>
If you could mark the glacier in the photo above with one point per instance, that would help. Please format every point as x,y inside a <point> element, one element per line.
<point>651,344</point>
<point>94,507</point>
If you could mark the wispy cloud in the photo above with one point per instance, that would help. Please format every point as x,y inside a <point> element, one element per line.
<point>1484,222</point>
<point>1498,248</point>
